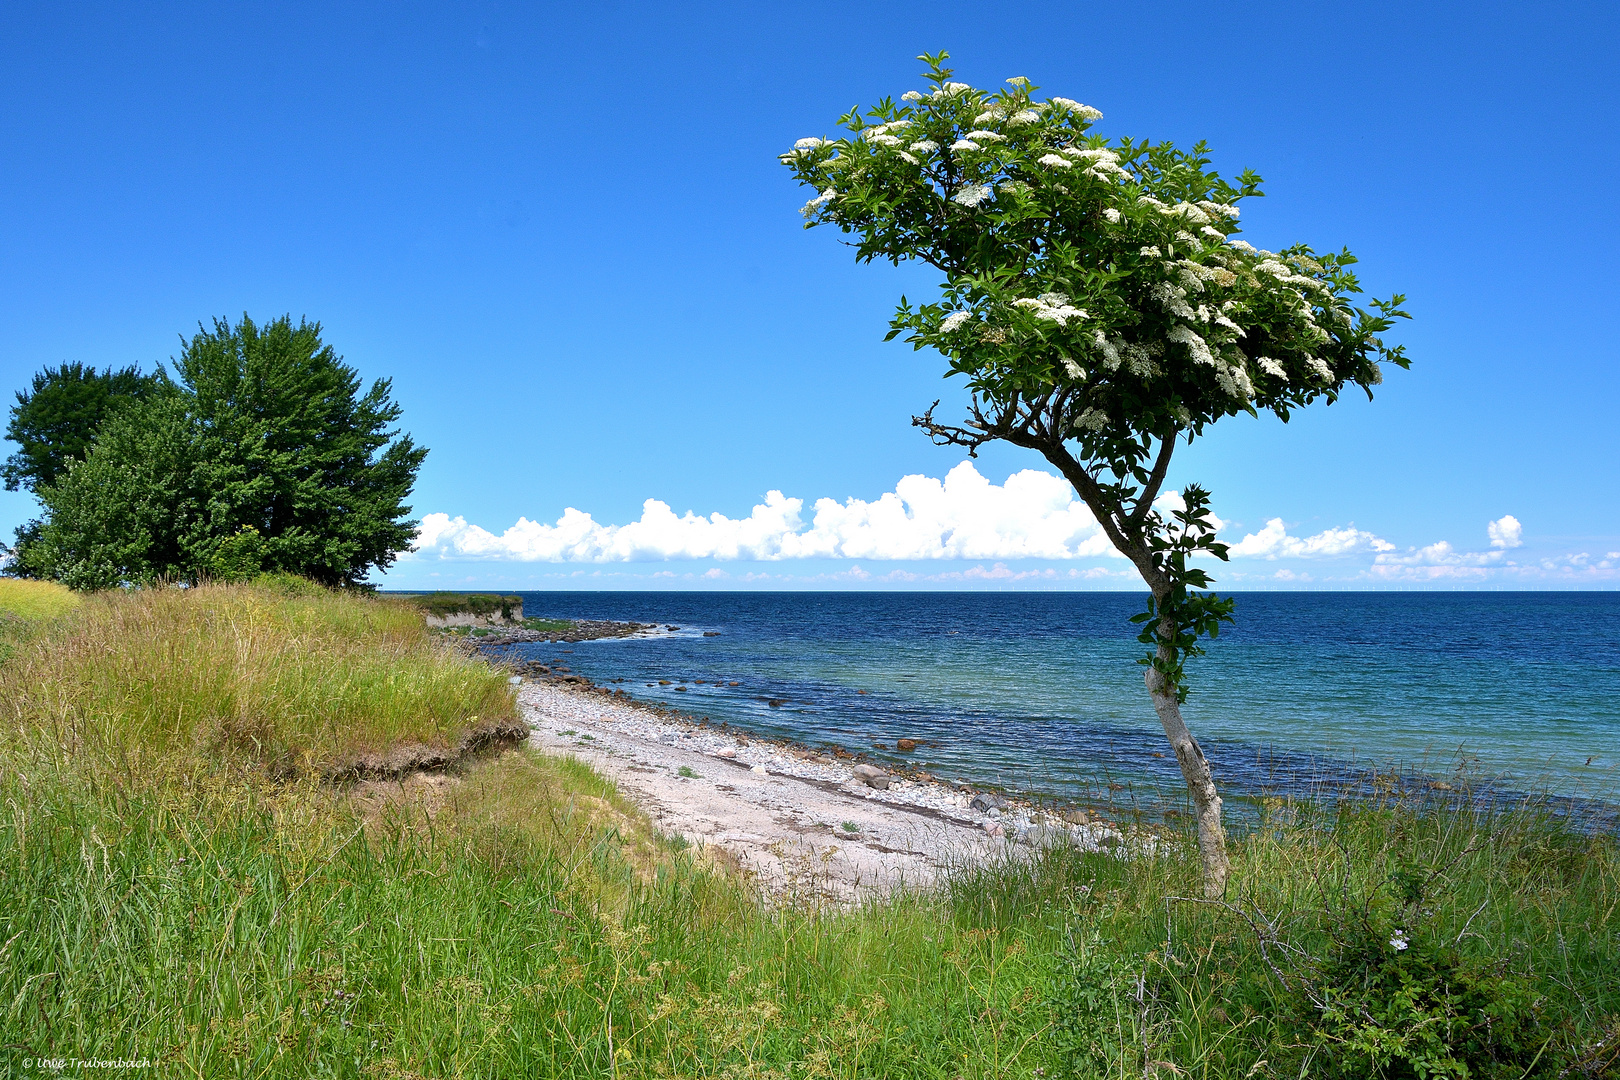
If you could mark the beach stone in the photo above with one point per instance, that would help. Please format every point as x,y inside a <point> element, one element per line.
<point>872,776</point>
<point>986,802</point>
<point>516,680</point>
<point>1077,817</point>
<point>727,752</point>
<point>1043,836</point>
<point>760,770</point>
<point>906,746</point>
<point>993,829</point>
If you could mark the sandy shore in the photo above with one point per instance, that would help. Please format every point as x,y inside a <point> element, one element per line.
<point>800,823</point>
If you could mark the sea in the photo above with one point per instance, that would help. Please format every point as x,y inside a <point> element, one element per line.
<point>1504,694</point>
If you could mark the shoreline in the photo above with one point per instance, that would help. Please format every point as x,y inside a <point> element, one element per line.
<point>799,823</point>
<point>1333,781</point>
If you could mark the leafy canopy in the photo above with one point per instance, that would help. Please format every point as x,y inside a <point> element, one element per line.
<point>267,458</point>
<point>1097,300</point>
<point>55,421</point>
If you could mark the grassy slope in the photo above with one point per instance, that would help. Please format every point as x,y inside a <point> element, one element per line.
<point>35,599</point>
<point>160,897</point>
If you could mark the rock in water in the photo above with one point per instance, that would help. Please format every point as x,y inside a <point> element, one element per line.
<point>906,746</point>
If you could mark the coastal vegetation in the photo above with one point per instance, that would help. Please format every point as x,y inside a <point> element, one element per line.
<point>260,455</point>
<point>1101,307</point>
<point>180,882</point>
<point>487,605</point>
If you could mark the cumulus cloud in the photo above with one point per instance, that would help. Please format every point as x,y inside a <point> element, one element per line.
<point>1034,515</point>
<point>1274,542</point>
<point>1505,532</point>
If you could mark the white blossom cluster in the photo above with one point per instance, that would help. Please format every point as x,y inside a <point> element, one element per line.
<point>972,195</point>
<point>954,320</point>
<point>1232,377</point>
<point>818,202</point>
<point>1091,420</point>
<point>1173,298</point>
<point>1051,307</point>
<point>1085,112</point>
<point>1102,163</point>
<point>1116,352</point>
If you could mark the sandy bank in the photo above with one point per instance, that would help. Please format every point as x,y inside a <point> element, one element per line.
<point>798,822</point>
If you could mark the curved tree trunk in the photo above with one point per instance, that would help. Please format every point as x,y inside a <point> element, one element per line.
<point>1125,532</point>
<point>1200,784</point>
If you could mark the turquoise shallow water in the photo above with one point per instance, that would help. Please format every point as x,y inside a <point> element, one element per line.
<point>1041,692</point>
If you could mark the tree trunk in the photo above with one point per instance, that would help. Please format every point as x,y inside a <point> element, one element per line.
<point>1200,783</point>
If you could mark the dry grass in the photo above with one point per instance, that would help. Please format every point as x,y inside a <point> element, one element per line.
<point>294,680</point>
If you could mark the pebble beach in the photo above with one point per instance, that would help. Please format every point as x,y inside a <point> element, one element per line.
<point>804,826</point>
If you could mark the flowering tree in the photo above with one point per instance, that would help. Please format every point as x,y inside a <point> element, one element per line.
<point>1101,309</point>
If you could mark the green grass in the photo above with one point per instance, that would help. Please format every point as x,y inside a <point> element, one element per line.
<point>163,894</point>
<point>547,626</point>
<point>35,599</point>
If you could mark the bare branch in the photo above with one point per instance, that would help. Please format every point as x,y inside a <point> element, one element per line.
<point>1144,501</point>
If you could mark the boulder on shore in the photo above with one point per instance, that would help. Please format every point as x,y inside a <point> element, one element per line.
<point>872,777</point>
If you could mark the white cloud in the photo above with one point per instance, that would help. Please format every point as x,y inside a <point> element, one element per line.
<point>1034,515</point>
<point>1274,542</point>
<point>981,526</point>
<point>1505,532</point>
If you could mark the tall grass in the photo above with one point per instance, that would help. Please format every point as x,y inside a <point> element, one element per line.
<point>298,678</point>
<point>518,918</point>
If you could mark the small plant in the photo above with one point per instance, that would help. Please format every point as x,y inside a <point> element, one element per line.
<point>850,826</point>
<point>687,771</point>
<point>1091,1006</point>
<point>569,731</point>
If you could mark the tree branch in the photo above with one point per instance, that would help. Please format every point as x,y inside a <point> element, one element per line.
<point>1144,501</point>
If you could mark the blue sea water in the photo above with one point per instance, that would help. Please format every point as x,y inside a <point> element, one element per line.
<point>1041,692</point>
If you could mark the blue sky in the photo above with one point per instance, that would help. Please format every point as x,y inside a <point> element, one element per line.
<point>564,233</point>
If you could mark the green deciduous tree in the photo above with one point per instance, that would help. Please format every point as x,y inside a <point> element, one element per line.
<point>54,422</point>
<point>267,458</point>
<point>1102,310</point>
